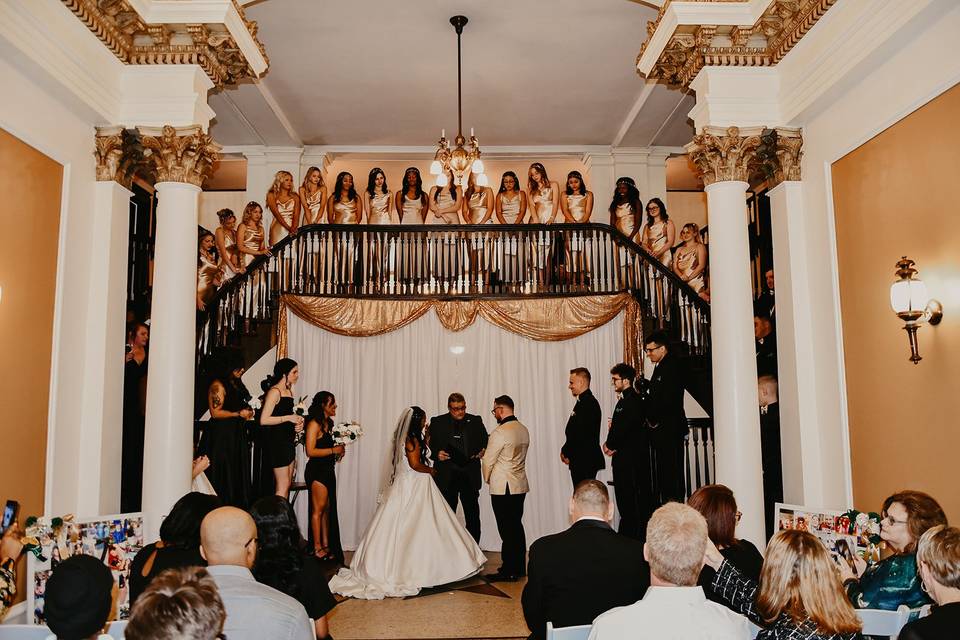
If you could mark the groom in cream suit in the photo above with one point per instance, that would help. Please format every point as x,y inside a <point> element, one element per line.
<point>504,469</point>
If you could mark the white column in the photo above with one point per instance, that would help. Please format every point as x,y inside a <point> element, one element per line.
<point>168,437</point>
<point>799,423</point>
<point>101,417</point>
<point>601,181</point>
<point>657,174</point>
<point>736,416</point>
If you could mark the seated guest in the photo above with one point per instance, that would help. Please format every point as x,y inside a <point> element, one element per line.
<point>228,542</point>
<point>179,543</point>
<point>80,598</point>
<point>674,606</point>
<point>938,558</point>
<point>283,564</point>
<point>716,504</point>
<point>799,594</point>
<point>179,603</point>
<point>575,575</point>
<point>894,581</point>
<point>10,547</point>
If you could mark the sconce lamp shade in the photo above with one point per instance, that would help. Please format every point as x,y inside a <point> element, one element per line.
<point>477,166</point>
<point>908,297</point>
<point>442,180</point>
<point>482,180</point>
<point>436,168</point>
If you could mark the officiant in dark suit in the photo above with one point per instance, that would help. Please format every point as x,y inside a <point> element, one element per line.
<point>581,451</point>
<point>666,419</point>
<point>457,442</point>
<point>628,446</point>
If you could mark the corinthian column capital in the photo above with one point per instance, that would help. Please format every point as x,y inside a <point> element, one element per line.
<point>179,154</point>
<point>789,152</point>
<point>118,154</point>
<point>727,154</point>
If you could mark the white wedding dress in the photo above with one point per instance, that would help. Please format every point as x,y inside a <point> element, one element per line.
<point>414,541</point>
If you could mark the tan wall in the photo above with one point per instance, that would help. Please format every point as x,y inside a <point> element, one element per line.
<point>28,271</point>
<point>896,195</point>
<point>687,206</point>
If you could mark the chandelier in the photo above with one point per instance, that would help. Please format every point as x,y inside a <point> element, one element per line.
<point>459,159</point>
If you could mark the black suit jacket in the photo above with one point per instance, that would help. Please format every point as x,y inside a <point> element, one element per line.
<point>444,436</point>
<point>575,575</point>
<point>664,400</point>
<point>582,446</point>
<point>628,429</point>
<point>942,623</point>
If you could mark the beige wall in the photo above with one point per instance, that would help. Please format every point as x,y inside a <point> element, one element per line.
<point>28,271</point>
<point>687,206</point>
<point>896,195</point>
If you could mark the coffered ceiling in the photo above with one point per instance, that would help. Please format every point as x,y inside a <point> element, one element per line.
<point>384,73</point>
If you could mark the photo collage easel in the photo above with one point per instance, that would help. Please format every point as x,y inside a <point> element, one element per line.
<point>842,537</point>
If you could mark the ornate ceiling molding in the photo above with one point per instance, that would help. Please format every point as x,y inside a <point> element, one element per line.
<point>176,154</point>
<point>753,155</point>
<point>693,46</point>
<point>211,46</point>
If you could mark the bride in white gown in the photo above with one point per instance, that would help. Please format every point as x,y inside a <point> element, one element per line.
<point>414,540</point>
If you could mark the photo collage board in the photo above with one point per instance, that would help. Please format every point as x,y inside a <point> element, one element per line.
<point>842,537</point>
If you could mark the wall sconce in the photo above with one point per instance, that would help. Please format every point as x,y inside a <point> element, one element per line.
<point>909,299</point>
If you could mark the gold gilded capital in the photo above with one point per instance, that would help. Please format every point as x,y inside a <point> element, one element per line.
<point>789,152</point>
<point>118,154</point>
<point>726,154</point>
<point>184,154</point>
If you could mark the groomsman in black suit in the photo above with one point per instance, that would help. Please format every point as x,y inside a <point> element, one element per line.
<point>457,442</point>
<point>581,451</point>
<point>666,419</point>
<point>628,446</point>
<point>575,575</point>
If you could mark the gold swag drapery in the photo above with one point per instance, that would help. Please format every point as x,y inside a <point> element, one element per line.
<point>547,319</point>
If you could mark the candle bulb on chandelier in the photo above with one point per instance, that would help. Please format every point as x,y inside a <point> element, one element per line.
<point>443,133</point>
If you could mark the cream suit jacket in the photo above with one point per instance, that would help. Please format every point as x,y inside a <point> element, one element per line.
<point>505,459</point>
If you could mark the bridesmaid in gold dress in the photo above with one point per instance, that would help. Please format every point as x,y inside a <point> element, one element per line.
<point>250,234</point>
<point>209,275</point>
<point>625,208</point>
<point>659,234</point>
<point>344,206</point>
<point>313,195</point>
<point>285,205</point>
<point>443,202</point>
<point>477,208</point>
<point>691,258</point>
<point>379,207</point>
<point>227,249</point>
<point>413,206</point>
<point>544,205</point>
<point>577,206</point>
<point>511,207</point>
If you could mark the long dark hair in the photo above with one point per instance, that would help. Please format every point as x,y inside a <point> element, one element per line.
<point>532,186</point>
<point>315,412</point>
<point>282,368</point>
<point>633,197</point>
<point>415,431</point>
<point>221,365</point>
<point>203,233</point>
<point>663,210</point>
<point>583,185</point>
<point>338,188</point>
<point>279,545</point>
<point>452,185</point>
<point>420,192</point>
<point>372,181</point>
<point>181,528</point>
<point>516,181</point>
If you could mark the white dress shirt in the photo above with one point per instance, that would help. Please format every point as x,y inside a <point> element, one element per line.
<point>667,613</point>
<point>256,611</point>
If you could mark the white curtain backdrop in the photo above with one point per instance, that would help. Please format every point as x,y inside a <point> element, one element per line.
<point>374,378</point>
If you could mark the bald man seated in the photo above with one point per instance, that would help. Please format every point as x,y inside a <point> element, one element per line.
<point>228,542</point>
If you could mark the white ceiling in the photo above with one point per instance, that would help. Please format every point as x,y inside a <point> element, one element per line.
<point>383,73</point>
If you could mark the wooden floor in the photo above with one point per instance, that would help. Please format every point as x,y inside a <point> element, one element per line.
<point>471,609</point>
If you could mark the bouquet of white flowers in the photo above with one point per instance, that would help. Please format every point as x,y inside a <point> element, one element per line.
<point>301,410</point>
<point>347,432</point>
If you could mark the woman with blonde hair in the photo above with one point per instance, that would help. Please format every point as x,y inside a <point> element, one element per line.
<point>250,236</point>
<point>285,205</point>
<point>938,561</point>
<point>799,594</point>
<point>313,196</point>
<point>690,259</point>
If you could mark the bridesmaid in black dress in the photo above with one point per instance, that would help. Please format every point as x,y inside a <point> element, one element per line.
<point>321,477</point>
<point>134,396</point>
<point>224,439</point>
<point>282,422</point>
